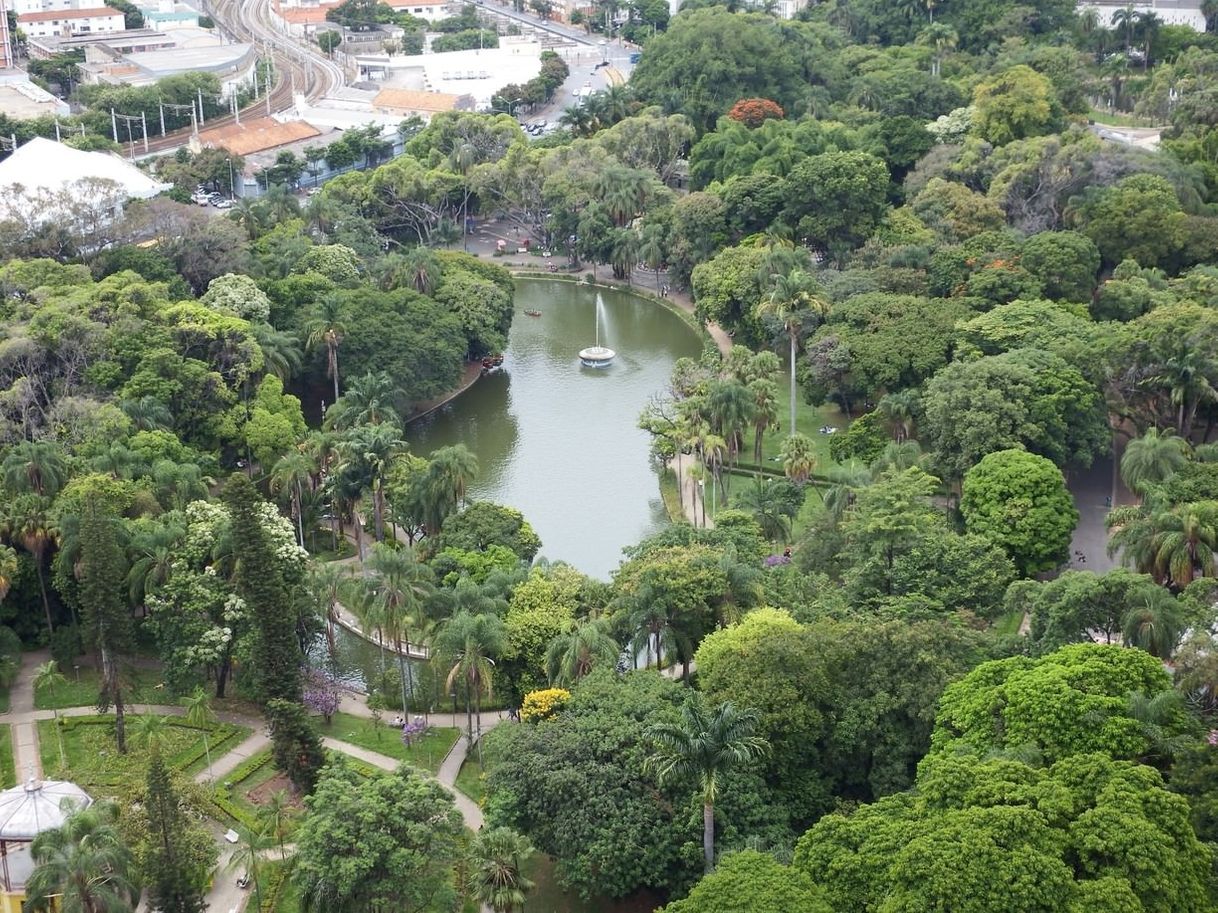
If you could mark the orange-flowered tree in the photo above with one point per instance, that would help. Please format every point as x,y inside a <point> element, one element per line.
<point>753,112</point>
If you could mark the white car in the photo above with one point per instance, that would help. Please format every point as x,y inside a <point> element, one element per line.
<point>222,204</point>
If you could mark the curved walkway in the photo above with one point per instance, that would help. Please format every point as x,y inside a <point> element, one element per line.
<point>224,897</point>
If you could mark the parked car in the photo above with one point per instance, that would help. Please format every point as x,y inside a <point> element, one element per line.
<point>222,204</point>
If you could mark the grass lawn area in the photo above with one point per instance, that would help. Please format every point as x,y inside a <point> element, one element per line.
<point>8,766</point>
<point>426,753</point>
<point>808,420</point>
<point>93,759</point>
<point>1114,119</point>
<point>143,687</point>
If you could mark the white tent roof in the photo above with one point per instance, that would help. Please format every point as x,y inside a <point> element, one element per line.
<point>45,165</point>
<point>36,806</point>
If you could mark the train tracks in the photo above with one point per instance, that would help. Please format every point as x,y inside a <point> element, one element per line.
<point>298,68</point>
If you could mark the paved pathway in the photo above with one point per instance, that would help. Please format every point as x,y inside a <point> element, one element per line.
<point>225,896</point>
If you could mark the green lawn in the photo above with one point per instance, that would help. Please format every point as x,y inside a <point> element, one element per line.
<point>8,765</point>
<point>385,739</point>
<point>808,421</point>
<point>1008,625</point>
<point>81,690</point>
<point>93,759</point>
<point>1113,119</point>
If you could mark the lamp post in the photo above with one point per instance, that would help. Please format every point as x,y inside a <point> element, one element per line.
<point>232,190</point>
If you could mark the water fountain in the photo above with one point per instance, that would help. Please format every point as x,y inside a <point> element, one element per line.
<point>597,356</point>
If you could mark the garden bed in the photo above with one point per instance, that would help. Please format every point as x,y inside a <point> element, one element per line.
<point>427,753</point>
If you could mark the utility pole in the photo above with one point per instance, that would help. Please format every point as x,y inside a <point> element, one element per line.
<point>202,120</point>
<point>114,125</point>
<point>144,124</point>
<point>161,108</point>
<point>57,139</point>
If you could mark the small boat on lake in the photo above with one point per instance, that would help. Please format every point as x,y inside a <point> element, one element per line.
<point>532,313</point>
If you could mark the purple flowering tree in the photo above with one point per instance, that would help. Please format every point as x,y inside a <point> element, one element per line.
<point>321,693</point>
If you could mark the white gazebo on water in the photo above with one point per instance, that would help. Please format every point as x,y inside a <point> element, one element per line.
<point>25,812</point>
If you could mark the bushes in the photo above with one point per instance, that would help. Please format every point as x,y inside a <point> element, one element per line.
<point>541,705</point>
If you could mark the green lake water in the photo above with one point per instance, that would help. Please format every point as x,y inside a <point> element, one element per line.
<point>559,441</point>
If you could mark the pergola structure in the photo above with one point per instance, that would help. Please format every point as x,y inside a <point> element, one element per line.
<point>25,812</point>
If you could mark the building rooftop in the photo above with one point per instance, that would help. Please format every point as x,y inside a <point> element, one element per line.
<point>252,136</point>
<point>189,59</point>
<point>24,100</point>
<point>54,15</point>
<point>411,100</point>
<point>38,805</point>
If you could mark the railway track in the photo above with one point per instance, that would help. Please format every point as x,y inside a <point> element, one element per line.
<point>296,67</point>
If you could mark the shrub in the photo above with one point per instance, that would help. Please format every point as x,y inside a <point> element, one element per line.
<point>541,705</point>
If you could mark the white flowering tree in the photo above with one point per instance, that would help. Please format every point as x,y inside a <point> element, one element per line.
<point>200,624</point>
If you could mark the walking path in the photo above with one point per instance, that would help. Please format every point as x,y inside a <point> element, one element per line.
<point>224,896</point>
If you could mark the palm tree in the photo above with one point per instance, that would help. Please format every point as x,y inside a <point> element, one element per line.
<point>292,473</point>
<point>422,269</point>
<point>147,413</point>
<point>325,583</point>
<point>772,510</point>
<point>402,583</point>
<point>1150,22</point>
<point>845,482</point>
<point>577,651</point>
<point>705,745</point>
<point>462,158</point>
<point>1155,625</point>
<point>200,714</point>
<point>941,38</point>
<point>448,476</point>
<point>791,301</point>
<point>152,553</point>
<point>274,816</point>
<point>47,677</point>
<point>1126,18</point>
<point>82,866</point>
<point>1152,458</point>
<point>497,859</point>
<point>651,250</point>
<point>765,412</point>
<point>1184,546</point>
<point>327,328</point>
<point>898,411</point>
<point>9,567</point>
<point>119,462</point>
<point>470,643</point>
<point>369,400</point>
<point>149,731</point>
<point>251,844</point>
<point>280,350</point>
<point>27,522</point>
<point>730,405</point>
<point>369,451</point>
<point>35,466</point>
<point>798,457</point>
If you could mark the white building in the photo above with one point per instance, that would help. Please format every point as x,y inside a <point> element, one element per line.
<point>431,10</point>
<point>90,21</point>
<point>479,73</point>
<point>23,7</point>
<point>22,100</point>
<point>45,181</point>
<point>232,64</point>
<point>1170,12</point>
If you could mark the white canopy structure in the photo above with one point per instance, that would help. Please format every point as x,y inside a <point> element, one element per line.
<point>44,180</point>
<point>25,812</point>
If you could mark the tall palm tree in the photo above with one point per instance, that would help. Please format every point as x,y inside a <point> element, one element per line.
<point>898,411</point>
<point>199,713</point>
<point>27,522</point>
<point>1150,23</point>
<point>1152,458</point>
<point>1126,18</point>
<point>765,412</point>
<point>369,451</point>
<point>421,268</point>
<point>651,250</point>
<point>35,466</point>
<point>470,643</point>
<point>325,583</point>
<point>462,158</point>
<point>152,553</point>
<point>82,866</point>
<point>497,859</point>
<point>150,730</point>
<point>275,818</point>
<point>792,302</point>
<point>730,405</point>
<point>402,583</point>
<point>47,677</point>
<point>574,653</point>
<point>292,473</point>
<point>941,38</point>
<point>327,328</point>
<point>705,745</point>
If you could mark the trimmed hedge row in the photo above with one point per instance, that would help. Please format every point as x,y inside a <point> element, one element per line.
<point>222,795</point>
<point>222,735</point>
